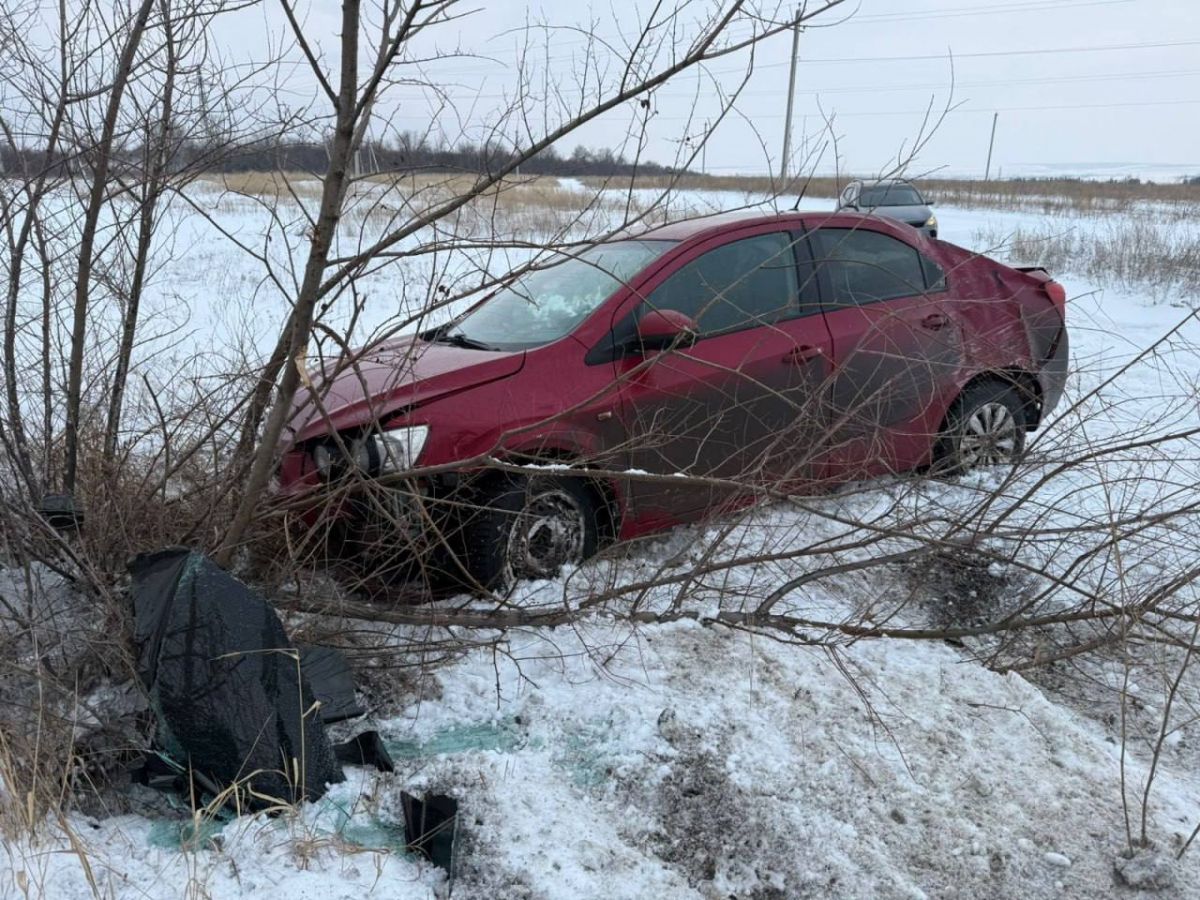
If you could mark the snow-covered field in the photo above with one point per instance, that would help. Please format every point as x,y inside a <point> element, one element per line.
<point>605,760</point>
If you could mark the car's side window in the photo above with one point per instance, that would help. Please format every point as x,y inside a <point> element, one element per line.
<point>737,285</point>
<point>810,291</point>
<point>935,276</point>
<point>865,266</point>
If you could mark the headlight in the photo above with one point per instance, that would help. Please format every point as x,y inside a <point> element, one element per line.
<point>932,222</point>
<point>398,449</point>
<point>382,453</point>
<point>322,455</point>
<point>329,460</point>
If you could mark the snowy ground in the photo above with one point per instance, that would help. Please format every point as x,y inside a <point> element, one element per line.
<point>686,760</point>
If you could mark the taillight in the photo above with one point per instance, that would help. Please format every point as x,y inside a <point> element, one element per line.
<point>1057,294</point>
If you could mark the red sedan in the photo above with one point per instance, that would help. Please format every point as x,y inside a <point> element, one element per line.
<point>743,353</point>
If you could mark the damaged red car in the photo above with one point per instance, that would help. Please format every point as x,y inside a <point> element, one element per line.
<point>649,381</point>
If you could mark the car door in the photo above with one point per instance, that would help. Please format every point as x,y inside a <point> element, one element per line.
<point>726,407</point>
<point>897,350</point>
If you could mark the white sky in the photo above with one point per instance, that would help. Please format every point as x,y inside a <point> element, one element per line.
<point>1090,100</point>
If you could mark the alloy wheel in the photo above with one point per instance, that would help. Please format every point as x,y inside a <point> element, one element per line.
<point>989,436</point>
<point>546,535</point>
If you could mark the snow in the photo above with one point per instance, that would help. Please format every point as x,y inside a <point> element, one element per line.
<point>690,760</point>
<point>697,755</point>
<point>1163,173</point>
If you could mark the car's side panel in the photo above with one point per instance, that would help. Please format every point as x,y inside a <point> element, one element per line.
<point>894,380</point>
<point>574,419</point>
<point>1012,324</point>
<point>710,411</point>
<point>729,407</point>
<point>719,410</point>
<point>898,363</point>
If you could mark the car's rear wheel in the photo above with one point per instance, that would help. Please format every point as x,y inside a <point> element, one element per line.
<point>985,427</point>
<point>529,528</point>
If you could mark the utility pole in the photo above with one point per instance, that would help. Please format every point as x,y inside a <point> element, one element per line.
<point>704,149</point>
<point>987,172</point>
<point>787,125</point>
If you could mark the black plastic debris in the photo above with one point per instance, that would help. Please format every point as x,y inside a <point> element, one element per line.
<point>225,684</point>
<point>158,772</point>
<point>365,749</point>
<point>332,683</point>
<point>60,512</point>
<point>430,827</point>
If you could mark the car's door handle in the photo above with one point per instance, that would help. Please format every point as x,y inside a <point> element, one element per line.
<point>935,321</point>
<point>804,353</point>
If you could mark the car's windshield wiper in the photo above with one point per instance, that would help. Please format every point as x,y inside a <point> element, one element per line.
<point>458,339</point>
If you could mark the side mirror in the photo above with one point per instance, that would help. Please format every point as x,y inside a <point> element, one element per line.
<point>661,329</point>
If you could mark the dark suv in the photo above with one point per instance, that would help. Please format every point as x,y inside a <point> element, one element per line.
<point>894,199</point>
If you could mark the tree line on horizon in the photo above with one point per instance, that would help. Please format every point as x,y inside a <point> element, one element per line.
<point>405,153</point>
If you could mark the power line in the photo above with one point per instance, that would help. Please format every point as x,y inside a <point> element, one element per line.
<point>1045,5</point>
<point>1020,6</point>
<point>924,86</point>
<point>961,11</point>
<point>979,55</point>
<point>1006,82</point>
<point>987,54</point>
<point>913,112</point>
<point>988,110</point>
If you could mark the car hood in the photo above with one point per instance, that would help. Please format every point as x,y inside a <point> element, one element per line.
<point>379,382</point>
<point>916,214</point>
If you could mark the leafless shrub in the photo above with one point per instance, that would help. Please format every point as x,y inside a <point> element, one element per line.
<point>1105,558</point>
<point>1128,252</point>
<point>69,721</point>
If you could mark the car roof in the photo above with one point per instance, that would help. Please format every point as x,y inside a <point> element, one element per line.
<point>690,228</point>
<point>706,226</point>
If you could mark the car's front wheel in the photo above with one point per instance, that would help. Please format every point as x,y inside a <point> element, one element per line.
<point>529,528</point>
<point>985,427</point>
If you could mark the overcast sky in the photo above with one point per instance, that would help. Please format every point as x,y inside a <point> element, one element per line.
<point>1079,85</point>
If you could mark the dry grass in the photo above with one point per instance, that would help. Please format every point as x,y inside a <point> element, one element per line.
<point>521,207</point>
<point>55,740</point>
<point>1040,194</point>
<point>1063,194</point>
<point>748,184</point>
<point>1114,250</point>
<point>266,184</point>
<point>1044,195</point>
<point>1134,237</point>
<point>518,204</point>
<point>529,190</point>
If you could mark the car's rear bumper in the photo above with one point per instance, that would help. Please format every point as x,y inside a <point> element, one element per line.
<point>1053,374</point>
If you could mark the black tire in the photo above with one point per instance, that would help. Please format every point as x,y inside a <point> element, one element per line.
<point>373,550</point>
<point>985,427</point>
<point>528,528</point>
